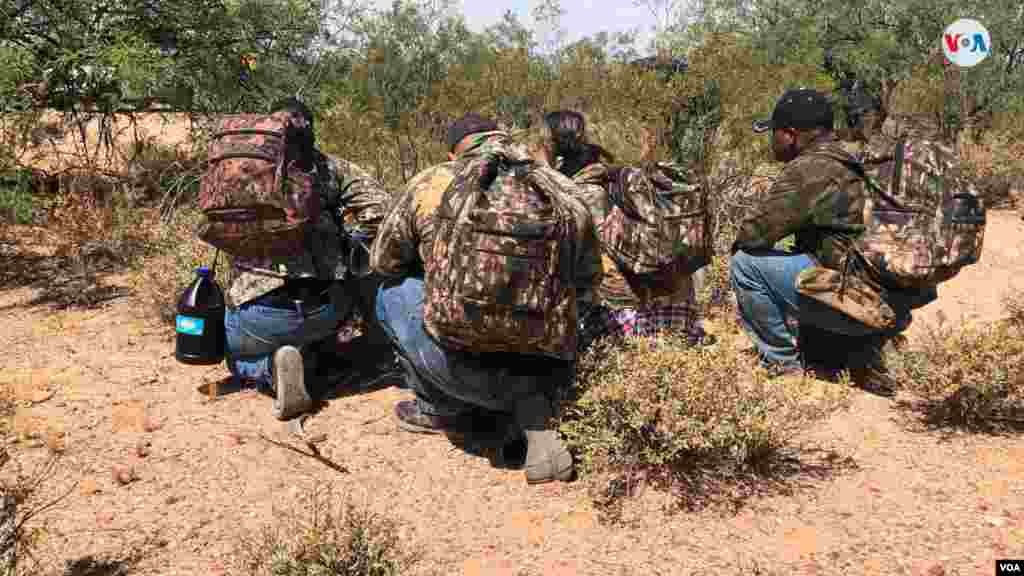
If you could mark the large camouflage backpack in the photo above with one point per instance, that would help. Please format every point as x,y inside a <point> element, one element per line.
<point>500,274</point>
<point>657,225</point>
<point>924,219</point>
<point>257,200</point>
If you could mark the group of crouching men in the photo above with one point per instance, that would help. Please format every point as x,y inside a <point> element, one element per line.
<point>283,317</point>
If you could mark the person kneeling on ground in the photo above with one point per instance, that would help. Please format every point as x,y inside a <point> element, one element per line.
<point>821,200</point>
<point>283,315</point>
<point>625,308</point>
<point>453,384</point>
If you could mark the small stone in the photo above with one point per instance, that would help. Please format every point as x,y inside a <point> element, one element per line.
<point>122,474</point>
<point>88,487</point>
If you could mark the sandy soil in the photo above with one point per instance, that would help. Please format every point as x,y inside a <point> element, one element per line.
<point>879,496</point>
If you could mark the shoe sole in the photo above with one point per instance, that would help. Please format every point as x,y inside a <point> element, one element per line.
<point>562,476</point>
<point>415,429</point>
<point>289,379</point>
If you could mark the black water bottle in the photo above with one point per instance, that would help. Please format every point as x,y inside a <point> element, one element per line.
<point>200,322</point>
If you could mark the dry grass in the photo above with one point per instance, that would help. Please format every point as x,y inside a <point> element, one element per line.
<point>347,540</point>
<point>967,377</point>
<point>177,253</point>
<point>996,162</point>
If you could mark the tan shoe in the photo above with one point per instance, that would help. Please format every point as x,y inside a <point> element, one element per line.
<point>547,458</point>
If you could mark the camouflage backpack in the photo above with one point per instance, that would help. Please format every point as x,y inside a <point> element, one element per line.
<point>657,224</point>
<point>500,274</point>
<point>257,201</point>
<point>924,219</point>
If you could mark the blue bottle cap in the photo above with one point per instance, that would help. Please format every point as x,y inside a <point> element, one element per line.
<point>203,271</point>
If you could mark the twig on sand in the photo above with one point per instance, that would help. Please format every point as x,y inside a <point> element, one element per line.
<point>314,453</point>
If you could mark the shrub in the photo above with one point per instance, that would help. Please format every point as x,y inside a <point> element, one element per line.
<point>967,377</point>
<point>351,541</point>
<point>655,407</point>
<point>17,204</point>
<point>178,252</point>
<point>994,162</point>
<point>1015,309</point>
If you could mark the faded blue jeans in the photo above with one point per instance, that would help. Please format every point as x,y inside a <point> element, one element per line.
<point>256,329</point>
<point>451,382</point>
<point>782,322</point>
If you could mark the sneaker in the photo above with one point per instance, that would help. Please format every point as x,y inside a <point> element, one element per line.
<point>412,419</point>
<point>291,397</point>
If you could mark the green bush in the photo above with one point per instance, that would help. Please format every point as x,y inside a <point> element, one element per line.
<point>658,406</point>
<point>17,205</point>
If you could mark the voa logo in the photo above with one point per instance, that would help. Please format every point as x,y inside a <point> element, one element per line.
<point>966,42</point>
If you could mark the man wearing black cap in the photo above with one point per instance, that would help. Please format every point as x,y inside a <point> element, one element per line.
<point>818,293</point>
<point>451,386</point>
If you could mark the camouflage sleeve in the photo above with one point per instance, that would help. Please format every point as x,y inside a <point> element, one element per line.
<point>394,249</point>
<point>785,210</point>
<point>361,198</point>
<point>589,268</point>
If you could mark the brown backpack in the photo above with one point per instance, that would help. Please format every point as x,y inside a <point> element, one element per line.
<point>500,274</point>
<point>257,199</point>
<point>657,226</point>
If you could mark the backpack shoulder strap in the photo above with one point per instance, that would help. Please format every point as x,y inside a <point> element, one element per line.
<point>618,177</point>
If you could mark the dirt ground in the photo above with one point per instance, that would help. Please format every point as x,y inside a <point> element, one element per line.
<point>874,494</point>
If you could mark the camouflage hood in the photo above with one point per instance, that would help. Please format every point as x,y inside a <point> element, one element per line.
<point>497,142</point>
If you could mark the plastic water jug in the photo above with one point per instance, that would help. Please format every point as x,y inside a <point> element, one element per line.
<point>200,322</point>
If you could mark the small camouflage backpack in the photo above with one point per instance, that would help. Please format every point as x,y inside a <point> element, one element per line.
<point>500,274</point>
<point>924,219</point>
<point>257,199</point>
<point>657,224</point>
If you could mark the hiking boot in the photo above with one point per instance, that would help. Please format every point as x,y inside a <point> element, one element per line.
<point>874,379</point>
<point>873,375</point>
<point>288,378</point>
<point>547,458</point>
<point>412,419</point>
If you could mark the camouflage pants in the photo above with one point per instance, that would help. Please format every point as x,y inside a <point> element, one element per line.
<point>450,382</point>
<point>791,330</point>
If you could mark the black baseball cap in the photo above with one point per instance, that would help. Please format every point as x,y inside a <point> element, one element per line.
<point>801,108</point>
<point>469,124</point>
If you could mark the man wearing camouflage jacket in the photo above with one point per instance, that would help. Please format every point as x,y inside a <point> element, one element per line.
<point>819,199</point>
<point>284,313</point>
<point>451,386</point>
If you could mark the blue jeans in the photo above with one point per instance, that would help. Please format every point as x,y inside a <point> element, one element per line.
<point>256,329</point>
<point>259,327</point>
<point>451,382</point>
<point>782,322</point>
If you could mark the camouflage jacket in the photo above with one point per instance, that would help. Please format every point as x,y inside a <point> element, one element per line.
<point>614,290</point>
<point>407,233</point>
<point>821,201</point>
<point>349,196</point>
<point>879,145</point>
